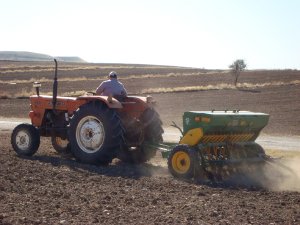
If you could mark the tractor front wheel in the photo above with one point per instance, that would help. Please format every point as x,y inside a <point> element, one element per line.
<point>25,139</point>
<point>183,162</point>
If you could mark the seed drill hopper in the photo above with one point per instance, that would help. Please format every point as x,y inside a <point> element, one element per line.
<point>216,144</point>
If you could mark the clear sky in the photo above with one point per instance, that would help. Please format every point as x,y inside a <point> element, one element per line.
<point>196,33</point>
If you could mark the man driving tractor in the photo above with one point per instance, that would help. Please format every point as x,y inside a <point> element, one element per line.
<point>112,87</point>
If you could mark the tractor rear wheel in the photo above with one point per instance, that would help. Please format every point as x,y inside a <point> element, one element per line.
<point>95,133</point>
<point>25,139</point>
<point>183,162</point>
<point>152,132</point>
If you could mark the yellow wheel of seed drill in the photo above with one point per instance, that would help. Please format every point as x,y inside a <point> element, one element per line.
<point>182,161</point>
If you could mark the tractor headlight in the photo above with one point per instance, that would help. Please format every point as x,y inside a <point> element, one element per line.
<point>37,84</point>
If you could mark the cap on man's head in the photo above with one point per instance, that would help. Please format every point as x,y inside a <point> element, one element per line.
<point>112,74</point>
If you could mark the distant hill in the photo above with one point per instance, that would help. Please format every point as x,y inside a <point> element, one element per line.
<point>32,56</point>
<point>74,59</point>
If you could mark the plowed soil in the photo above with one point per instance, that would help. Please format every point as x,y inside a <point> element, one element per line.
<point>51,189</point>
<point>55,189</point>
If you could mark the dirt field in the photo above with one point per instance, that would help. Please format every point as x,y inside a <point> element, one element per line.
<point>53,189</point>
<point>273,92</point>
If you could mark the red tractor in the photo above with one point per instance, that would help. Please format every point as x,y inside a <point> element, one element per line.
<point>95,129</point>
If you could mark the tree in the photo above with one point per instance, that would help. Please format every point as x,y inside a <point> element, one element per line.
<point>236,68</point>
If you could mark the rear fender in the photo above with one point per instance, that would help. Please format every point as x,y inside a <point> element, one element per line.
<point>109,101</point>
<point>134,106</point>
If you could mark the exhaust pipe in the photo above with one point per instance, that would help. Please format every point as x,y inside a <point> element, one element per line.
<point>54,99</point>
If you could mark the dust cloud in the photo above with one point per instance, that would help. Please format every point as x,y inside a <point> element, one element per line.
<point>159,167</point>
<point>283,175</point>
<point>277,175</point>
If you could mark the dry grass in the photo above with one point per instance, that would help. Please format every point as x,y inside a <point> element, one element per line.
<point>4,95</point>
<point>83,78</point>
<point>222,86</point>
<point>275,83</point>
<point>44,69</point>
<point>74,93</point>
<point>23,94</point>
<point>26,94</point>
<point>144,76</point>
<point>47,68</point>
<point>44,80</point>
<point>188,89</point>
